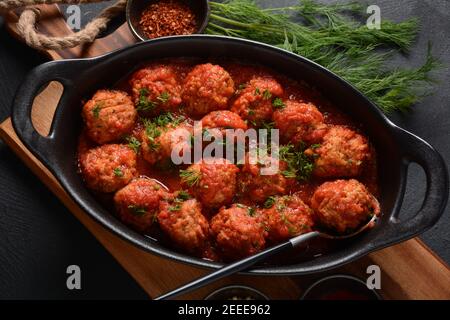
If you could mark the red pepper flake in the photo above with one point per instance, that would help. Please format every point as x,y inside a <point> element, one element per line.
<point>167,18</point>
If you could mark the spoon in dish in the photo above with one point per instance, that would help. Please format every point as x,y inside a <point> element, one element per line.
<point>243,264</point>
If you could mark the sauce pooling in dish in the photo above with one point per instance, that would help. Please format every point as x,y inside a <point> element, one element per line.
<point>220,209</point>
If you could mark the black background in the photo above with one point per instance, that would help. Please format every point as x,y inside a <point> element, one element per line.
<point>39,237</point>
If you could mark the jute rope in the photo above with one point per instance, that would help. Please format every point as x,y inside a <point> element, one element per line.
<point>27,23</point>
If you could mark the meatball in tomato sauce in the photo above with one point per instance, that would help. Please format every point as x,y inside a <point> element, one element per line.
<point>223,119</point>
<point>207,88</point>
<point>137,204</point>
<point>155,89</point>
<point>255,101</point>
<point>342,153</point>
<point>158,143</point>
<point>109,116</point>
<point>299,123</point>
<point>238,231</point>
<point>286,217</point>
<point>108,168</point>
<point>182,220</point>
<point>211,181</point>
<point>344,205</point>
<point>216,124</point>
<point>263,177</point>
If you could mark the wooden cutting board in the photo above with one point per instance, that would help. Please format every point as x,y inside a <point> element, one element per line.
<point>409,270</point>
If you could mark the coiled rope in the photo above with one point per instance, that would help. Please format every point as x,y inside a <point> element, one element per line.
<point>26,25</point>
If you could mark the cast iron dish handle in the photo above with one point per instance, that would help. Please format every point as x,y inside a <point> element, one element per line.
<point>416,150</point>
<point>61,71</point>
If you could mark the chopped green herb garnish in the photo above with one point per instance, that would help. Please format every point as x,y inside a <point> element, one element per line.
<point>288,224</point>
<point>152,131</point>
<point>96,110</point>
<point>144,103</point>
<point>300,166</point>
<point>136,210</point>
<point>278,103</point>
<point>289,174</point>
<point>164,97</point>
<point>168,118</point>
<point>118,172</point>
<point>241,206</point>
<point>251,211</point>
<point>267,94</point>
<point>133,144</point>
<point>176,207</point>
<point>270,201</point>
<point>190,177</point>
<point>183,195</point>
<point>257,92</point>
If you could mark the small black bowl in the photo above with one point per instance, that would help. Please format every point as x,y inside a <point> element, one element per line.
<point>232,292</point>
<point>135,8</point>
<point>340,287</point>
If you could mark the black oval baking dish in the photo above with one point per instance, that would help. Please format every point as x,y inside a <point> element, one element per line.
<point>396,147</point>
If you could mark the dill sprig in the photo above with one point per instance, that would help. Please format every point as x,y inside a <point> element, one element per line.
<point>190,177</point>
<point>137,210</point>
<point>335,36</point>
<point>156,126</point>
<point>299,165</point>
<point>133,143</point>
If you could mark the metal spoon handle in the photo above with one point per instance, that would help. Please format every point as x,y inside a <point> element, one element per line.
<point>237,266</point>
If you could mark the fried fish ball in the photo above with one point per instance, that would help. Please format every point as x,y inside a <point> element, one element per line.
<point>138,203</point>
<point>223,119</point>
<point>287,217</point>
<point>342,153</point>
<point>344,205</point>
<point>109,167</point>
<point>299,122</point>
<point>108,116</point>
<point>156,89</point>
<point>238,231</point>
<point>264,178</point>
<point>207,88</point>
<point>159,142</point>
<point>255,102</point>
<point>182,220</point>
<point>211,181</point>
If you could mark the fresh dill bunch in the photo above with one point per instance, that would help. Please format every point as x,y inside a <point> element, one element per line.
<point>336,37</point>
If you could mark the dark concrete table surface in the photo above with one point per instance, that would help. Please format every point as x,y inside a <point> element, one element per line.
<point>39,237</point>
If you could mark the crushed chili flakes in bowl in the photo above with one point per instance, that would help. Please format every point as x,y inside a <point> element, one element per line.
<point>167,18</point>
